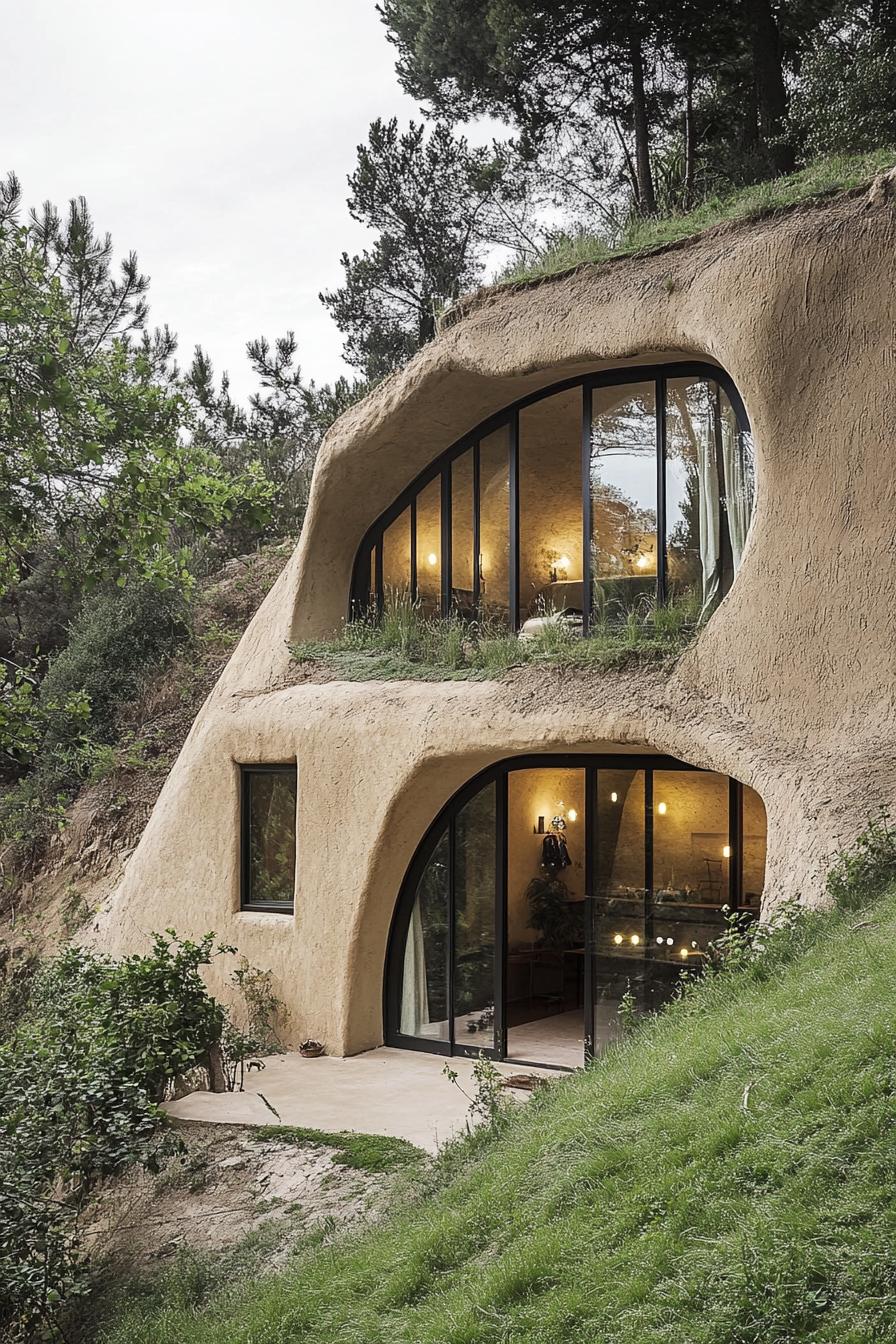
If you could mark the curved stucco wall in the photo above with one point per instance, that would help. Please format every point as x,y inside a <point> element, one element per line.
<point>791,687</point>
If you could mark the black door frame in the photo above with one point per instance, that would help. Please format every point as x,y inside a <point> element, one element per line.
<point>498,774</point>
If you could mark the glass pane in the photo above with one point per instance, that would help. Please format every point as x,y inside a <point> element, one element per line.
<point>424,987</point>
<point>272,837</point>
<point>738,469</point>
<point>429,547</point>
<point>691,862</point>
<point>397,557</point>
<point>754,850</point>
<point>462,535</point>
<point>692,492</point>
<point>494,524</point>
<point>623,499</point>
<point>550,457</point>
<point>474,911</point>
<point>545,915</point>
<point>620,899</point>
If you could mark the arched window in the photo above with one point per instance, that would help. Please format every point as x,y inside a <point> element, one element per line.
<point>587,500</point>
<point>553,888</point>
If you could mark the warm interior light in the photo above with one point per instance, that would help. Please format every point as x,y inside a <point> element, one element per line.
<point>564,562</point>
<point>432,559</point>
<point>669,942</point>
<point>726,851</point>
<point>685,951</point>
<point>661,808</point>
<point>617,938</point>
<point>660,940</point>
<point>614,797</point>
<point>573,814</point>
<point>635,940</point>
<point>642,561</point>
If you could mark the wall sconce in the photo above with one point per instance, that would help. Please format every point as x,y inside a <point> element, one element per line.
<point>572,814</point>
<point>726,851</point>
<point>662,809</point>
<point>432,559</point>
<point>635,939</point>
<point>617,938</point>
<point>614,797</point>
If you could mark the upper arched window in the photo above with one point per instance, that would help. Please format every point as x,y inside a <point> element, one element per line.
<point>590,499</point>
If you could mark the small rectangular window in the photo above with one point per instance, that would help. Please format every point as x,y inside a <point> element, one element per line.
<point>268,838</point>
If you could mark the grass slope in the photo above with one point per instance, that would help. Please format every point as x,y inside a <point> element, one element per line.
<point>825,177</point>
<point>724,1177</point>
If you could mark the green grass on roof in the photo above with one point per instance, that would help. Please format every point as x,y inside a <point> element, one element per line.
<point>726,1176</point>
<point>825,177</point>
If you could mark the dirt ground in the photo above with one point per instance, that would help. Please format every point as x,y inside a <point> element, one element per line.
<point>227,1184</point>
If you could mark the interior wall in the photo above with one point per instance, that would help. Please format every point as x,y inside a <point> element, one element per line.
<point>531,794</point>
<point>550,458</point>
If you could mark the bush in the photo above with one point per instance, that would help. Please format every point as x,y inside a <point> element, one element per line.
<point>867,868</point>
<point>846,102</point>
<point>62,728</point>
<point>95,1048</point>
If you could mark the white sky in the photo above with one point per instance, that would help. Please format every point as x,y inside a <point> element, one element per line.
<point>213,137</point>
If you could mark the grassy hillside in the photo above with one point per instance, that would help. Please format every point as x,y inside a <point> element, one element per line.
<point>726,1176</point>
<point>824,177</point>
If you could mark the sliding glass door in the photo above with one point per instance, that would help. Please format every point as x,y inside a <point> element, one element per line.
<point>556,896</point>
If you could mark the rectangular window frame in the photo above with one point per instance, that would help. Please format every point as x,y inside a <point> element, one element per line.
<point>246,774</point>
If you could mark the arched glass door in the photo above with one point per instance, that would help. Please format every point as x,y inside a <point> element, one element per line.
<point>552,890</point>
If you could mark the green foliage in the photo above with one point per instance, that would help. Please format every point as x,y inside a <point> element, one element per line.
<point>490,1105</point>
<point>436,203</point>
<point>866,867</point>
<point>81,1070</point>
<point>846,102</point>
<point>723,1176</point>
<point>362,1152</point>
<point>90,421</point>
<point>548,898</point>
<point>64,726</point>
<point>822,178</point>
<point>403,643</point>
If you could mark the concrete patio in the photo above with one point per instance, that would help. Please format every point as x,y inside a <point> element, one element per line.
<point>386,1091</point>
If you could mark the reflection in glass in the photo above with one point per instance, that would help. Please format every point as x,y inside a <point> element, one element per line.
<point>545,915</point>
<point>692,492</point>
<point>429,547</point>
<point>754,845</point>
<point>494,524</point>
<point>397,557</point>
<point>550,476</point>
<point>691,863</point>
<point>620,899</point>
<point>271,819</point>
<point>623,499</point>
<point>424,987</point>
<point>462,534</point>
<point>738,469</point>
<point>474,913</point>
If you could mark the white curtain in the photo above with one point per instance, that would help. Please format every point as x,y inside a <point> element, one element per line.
<point>414,996</point>
<point>737,465</point>
<point>703,457</point>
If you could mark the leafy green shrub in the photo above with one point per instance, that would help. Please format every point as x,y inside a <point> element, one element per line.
<point>63,728</point>
<point>846,101</point>
<point>866,868</point>
<point>95,1048</point>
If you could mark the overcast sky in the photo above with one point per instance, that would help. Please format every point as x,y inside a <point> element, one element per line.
<point>213,137</point>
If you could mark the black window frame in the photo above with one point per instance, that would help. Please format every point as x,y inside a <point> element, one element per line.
<point>508,417</point>
<point>499,774</point>
<point>247,772</point>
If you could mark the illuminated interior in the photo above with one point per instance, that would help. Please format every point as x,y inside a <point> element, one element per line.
<point>554,511</point>
<point>552,901</point>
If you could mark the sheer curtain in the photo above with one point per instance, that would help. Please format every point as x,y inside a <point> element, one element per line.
<point>737,467</point>
<point>414,996</point>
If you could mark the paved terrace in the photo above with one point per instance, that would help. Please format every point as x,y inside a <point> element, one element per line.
<point>386,1091</point>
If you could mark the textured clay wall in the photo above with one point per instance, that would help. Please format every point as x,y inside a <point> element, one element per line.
<point>791,687</point>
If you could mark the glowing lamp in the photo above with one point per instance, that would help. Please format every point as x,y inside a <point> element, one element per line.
<point>617,938</point>
<point>726,851</point>
<point>635,940</point>
<point>573,814</point>
<point>432,559</point>
<point>614,797</point>
<point>662,809</point>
